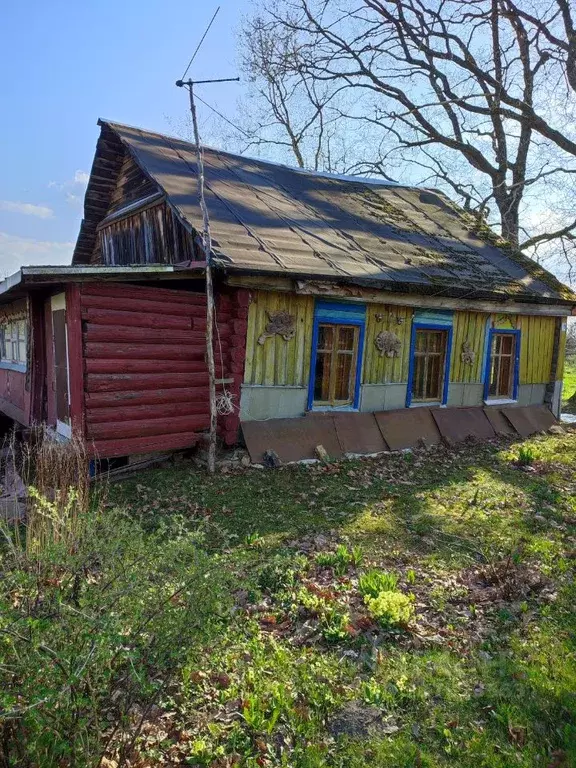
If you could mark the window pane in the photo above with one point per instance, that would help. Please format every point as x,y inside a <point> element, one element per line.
<point>418,388</point>
<point>493,385</point>
<point>504,389</point>
<point>325,337</point>
<point>322,376</point>
<point>343,388</point>
<point>22,352</point>
<point>506,342</point>
<point>433,379</point>
<point>346,336</point>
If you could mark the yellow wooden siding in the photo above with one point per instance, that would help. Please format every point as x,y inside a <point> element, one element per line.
<point>278,362</point>
<point>562,351</point>
<point>468,327</point>
<point>536,348</point>
<point>379,369</point>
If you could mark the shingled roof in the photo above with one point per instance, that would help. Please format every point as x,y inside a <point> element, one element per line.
<point>268,218</point>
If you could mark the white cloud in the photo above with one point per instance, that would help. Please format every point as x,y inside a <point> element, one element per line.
<point>80,179</point>
<point>27,209</point>
<point>17,251</point>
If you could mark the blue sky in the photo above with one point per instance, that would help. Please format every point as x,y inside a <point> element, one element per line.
<point>65,63</point>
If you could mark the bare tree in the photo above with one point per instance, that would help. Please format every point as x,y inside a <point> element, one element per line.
<point>294,115</point>
<point>475,96</point>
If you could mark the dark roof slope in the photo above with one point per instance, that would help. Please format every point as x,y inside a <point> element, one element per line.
<point>271,219</point>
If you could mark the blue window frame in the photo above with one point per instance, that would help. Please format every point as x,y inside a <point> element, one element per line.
<point>338,314</point>
<point>445,368</point>
<point>502,380</point>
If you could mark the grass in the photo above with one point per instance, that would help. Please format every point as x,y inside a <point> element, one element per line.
<point>569,378</point>
<point>468,657</point>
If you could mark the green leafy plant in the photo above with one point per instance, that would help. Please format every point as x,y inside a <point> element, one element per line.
<point>281,573</point>
<point>526,456</point>
<point>335,626</point>
<point>339,560</point>
<point>390,609</point>
<point>261,716</point>
<point>357,556</point>
<point>411,576</point>
<point>373,582</point>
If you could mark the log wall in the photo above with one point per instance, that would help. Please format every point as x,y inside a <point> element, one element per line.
<point>145,374</point>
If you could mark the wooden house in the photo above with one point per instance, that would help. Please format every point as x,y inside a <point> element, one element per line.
<point>334,295</point>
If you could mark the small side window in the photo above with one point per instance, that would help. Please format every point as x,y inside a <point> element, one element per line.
<point>429,365</point>
<point>501,367</point>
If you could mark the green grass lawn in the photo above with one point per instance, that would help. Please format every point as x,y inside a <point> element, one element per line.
<point>569,378</point>
<point>411,610</point>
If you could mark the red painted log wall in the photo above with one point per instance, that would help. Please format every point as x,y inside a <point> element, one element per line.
<point>144,376</point>
<point>14,399</point>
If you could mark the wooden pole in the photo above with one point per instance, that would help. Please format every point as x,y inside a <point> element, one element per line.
<point>207,243</point>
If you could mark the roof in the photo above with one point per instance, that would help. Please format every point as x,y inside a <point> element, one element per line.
<point>16,285</point>
<point>268,218</point>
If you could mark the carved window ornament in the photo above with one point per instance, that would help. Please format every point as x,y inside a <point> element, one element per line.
<point>468,355</point>
<point>281,323</point>
<point>388,344</point>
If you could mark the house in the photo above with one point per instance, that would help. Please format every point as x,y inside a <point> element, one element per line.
<point>334,297</point>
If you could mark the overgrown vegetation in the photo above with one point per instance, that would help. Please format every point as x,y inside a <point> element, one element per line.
<point>411,610</point>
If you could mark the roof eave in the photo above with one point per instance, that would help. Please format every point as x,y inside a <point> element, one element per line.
<point>447,291</point>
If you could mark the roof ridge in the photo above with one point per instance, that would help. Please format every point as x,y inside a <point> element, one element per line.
<point>369,180</point>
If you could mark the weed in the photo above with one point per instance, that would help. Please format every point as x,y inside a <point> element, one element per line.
<point>391,609</point>
<point>335,626</point>
<point>339,560</point>
<point>280,573</point>
<point>526,456</point>
<point>373,582</point>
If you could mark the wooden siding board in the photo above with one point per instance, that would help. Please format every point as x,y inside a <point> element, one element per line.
<point>152,235</point>
<point>537,345</point>
<point>278,362</point>
<point>381,369</point>
<point>470,327</point>
<point>75,358</point>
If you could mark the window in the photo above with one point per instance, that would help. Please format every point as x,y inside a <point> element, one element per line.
<point>337,343</point>
<point>14,342</point>
<point>502,369</point>
<point>336,361</point>
<point>429,364</point>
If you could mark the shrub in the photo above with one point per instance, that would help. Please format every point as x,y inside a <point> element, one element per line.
<point>390,609</point>
<point>373,582</point>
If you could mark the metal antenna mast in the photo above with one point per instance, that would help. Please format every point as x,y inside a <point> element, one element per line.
<point>207,244</point>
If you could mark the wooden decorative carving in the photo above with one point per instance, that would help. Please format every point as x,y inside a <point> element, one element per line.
<point>387,343</point>
<point>468,355</point>
<point>281,323</point>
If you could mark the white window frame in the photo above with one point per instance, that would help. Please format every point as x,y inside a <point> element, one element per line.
<point>14,345</point>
